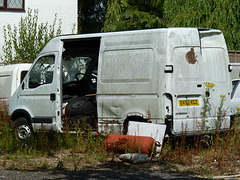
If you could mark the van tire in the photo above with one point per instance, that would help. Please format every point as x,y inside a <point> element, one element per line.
<point>22,130</point>
<point>80,106</point>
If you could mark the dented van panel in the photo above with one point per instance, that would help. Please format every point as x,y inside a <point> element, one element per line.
<point>105,80</point>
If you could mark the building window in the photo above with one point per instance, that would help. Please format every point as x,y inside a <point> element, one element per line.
<point>12,5</point>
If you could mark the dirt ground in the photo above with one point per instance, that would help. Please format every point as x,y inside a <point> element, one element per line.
<point>68,161</point>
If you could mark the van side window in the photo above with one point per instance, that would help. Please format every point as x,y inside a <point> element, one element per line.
<point>42,72</point>
<point>74,68</point>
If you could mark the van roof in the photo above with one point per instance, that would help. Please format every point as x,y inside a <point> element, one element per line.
<point>98,35</point>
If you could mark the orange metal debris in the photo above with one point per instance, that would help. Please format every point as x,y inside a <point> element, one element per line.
<point>122,143</point>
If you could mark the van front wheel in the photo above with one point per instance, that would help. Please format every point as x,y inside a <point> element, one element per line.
<point>22,129</point>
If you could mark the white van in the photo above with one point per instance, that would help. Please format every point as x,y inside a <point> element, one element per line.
<point>235,101</point>
<point>163,76</point>
<point>235,73</point>
<point>10,78</point>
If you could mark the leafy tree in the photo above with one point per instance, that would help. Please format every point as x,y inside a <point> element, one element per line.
<point>133,14</point>
<point>91,15</point>
<point>218,14</point>
<point>142,14</point>
<point>187,13</point>
<point>27,40</point>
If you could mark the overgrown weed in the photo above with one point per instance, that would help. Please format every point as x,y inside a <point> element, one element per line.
<point>47,143</point>
<point>205,154</point>
<point>211,149</point>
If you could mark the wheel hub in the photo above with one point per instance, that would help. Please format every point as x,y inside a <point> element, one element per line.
<point>24,132</point>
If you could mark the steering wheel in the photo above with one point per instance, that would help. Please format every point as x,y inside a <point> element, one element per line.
<point>77,78</point>
<point>87,78</point>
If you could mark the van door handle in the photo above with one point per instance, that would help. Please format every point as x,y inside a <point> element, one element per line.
<point>52,96</point>
<point>168,69</point>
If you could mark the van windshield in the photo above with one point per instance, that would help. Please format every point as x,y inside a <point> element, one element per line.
<point>75,68</point>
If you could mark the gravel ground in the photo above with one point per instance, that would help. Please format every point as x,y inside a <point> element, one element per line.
<point>63,165</point>
<point>90,175</point>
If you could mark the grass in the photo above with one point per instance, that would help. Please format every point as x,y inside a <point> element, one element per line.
<point>49,146</point>
<point>206,155</point>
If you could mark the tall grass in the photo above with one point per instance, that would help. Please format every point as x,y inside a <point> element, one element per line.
<point>7,141</point>
<point>46,142</point>
<point>218,151</point>
<point>212,151</point>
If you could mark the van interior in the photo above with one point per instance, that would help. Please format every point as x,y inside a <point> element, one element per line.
<point>79,82</point>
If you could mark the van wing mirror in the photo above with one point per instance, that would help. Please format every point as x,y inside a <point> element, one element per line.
<point>168,69</point>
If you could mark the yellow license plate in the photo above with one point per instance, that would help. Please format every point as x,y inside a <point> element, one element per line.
<point>191,102</point>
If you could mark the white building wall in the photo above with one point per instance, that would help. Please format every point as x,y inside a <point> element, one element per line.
<point>66,11</point>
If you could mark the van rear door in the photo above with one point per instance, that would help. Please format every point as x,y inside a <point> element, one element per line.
<point>200,79</point>
<point>215,66</point>
<point>186,85</point>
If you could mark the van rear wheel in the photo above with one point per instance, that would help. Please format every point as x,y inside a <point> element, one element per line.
<point>22,130</point>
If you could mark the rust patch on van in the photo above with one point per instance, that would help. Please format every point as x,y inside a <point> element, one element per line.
<point>191,56</point>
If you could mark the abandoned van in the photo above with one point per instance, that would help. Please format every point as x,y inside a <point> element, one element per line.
<point>174,76</point>
<point>10,78</point>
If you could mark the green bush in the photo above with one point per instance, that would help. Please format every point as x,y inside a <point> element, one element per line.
<point>27,40</point>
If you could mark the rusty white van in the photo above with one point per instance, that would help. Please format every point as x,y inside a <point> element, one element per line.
<point>172,76</point>
<point>11,77</point>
